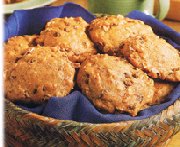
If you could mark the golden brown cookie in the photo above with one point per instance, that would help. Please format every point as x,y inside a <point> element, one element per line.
<point>70,35</point>
<point>109,32</point>
<point>42,73</point>
<point>111,83</point>
<point>161,90</point>
<point>16,46</point>
<point>154,56</point>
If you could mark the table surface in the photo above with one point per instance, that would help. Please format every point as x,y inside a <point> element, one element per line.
<point>175,141</point>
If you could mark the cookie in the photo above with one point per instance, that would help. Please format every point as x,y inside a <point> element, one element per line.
<point>111,83</point>
<point>70,35</point>
<point>109,32</point>
<point>161,90</point>
<point>154,56</point>
<point>16,46</point>
<point>42,73</point>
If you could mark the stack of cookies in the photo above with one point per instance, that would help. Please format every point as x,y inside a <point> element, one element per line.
<point>121,65</point>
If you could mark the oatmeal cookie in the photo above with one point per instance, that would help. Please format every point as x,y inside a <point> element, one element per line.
<point>70,35</point>
<point>154,56</point>
<point>16,46</point>
<point>111,83</point>
<point>42,73</point>
<point>109,32</point>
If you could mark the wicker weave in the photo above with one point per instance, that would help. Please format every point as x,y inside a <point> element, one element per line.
<point>23,128</point>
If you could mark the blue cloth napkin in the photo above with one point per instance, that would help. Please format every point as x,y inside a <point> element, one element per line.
<point>76,106</point>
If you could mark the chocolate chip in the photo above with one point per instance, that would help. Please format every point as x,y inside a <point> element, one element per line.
<point>99,45</point>
<point>33,43</point>
<point>131,107</point>
<point>87,75</point>
<point>41,43</point>
<point>44,88</point>
<point>12,77</point>
<point>35,91</point>
<point>56,34</point>
<point>17,59</point>
<point>121,46</point>
<point>134,75</point>
<point>127,75</point>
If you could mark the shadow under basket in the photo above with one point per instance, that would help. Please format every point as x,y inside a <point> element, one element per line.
<point>24,128</point>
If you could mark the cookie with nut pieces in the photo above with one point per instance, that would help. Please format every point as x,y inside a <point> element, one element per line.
<point>70,35</point>
<point>109,32</point>
<point>42,73</point>
<point>112,84</point>
<point>154,56</point>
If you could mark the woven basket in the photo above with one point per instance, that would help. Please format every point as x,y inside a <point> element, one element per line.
<point>24,128</point>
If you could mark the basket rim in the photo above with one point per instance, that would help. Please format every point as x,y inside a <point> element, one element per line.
<point>47,119</point>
